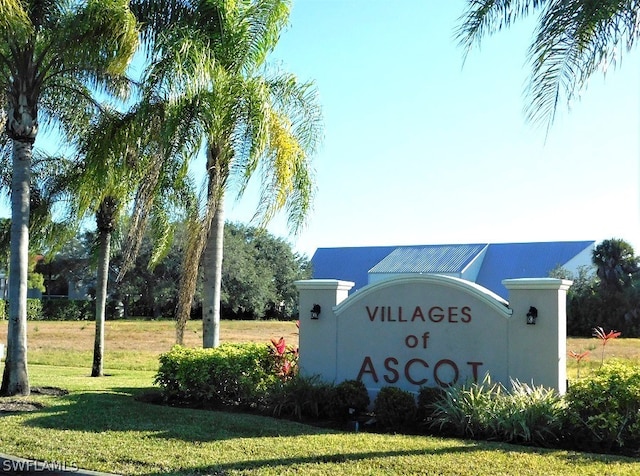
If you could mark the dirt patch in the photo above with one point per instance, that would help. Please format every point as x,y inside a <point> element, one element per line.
<point>15,406</point>
<point>23,404</point>
<point>52,391</point>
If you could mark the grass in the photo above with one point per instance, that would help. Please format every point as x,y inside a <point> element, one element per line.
<point>133,344</point>
<point>100,426</point>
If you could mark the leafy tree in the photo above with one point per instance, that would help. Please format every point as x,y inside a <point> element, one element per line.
<point>69,265</point>
<point>150,291</point>
<point>573,39</point>
<point>51,51</point>
<point>35,280</point>
<point>247,285</point>
<point>258,274</point>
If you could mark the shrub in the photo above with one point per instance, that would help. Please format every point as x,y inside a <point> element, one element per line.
<point>67,310</point>
<point>351,399</point>
<point>525,414</point>
<point>531,415</point>
<point>284,358</point>
<point>232,374</point>
<point>34,309</point>
<point>428,397</point>
<point>395,409</point>
<point>604,409</point>
<point>53,310</point>
<point>465,410</point>
<point>301,398</point>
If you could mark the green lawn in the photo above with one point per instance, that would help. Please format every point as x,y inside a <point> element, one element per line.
<point>100,426</point>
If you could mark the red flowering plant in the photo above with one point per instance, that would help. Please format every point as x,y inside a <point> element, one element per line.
<point>579,358</point>
<point>285,359</point>
<point>604,337</point>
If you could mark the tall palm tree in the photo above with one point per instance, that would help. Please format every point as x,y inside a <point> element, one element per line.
<point>214,57</point>
<point>51,51</point>
<point>574,39</point>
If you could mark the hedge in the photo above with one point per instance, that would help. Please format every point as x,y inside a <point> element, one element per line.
<point>34,309</point>
<point>232,374</point>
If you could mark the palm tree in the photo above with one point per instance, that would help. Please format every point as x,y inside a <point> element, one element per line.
<point>249,120</point>
<point>615,263</point>
<point>574,38</point>
<point>121,165</point>
<point>51,51</point>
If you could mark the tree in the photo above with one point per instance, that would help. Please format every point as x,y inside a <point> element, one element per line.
<point>150,291</point>
<point>574,38</point>
<point>615,263</point>
<point>258,274</point>
<point>210,65</point>
<point>51,51</point>
<point>609,297</point>
<point>122,161</point>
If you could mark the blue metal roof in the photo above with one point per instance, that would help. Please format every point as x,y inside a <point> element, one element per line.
<point>428,259</point>
<point>525,260</point>
<point>348,264</point>
<point>501,261</point>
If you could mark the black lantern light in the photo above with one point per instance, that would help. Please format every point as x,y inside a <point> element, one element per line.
<point>315,311</point>
<point>532,315</point>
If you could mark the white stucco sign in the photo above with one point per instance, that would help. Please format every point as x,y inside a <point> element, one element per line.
<point>432,330</point>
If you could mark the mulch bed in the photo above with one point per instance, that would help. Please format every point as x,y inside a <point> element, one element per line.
<point>23,404</point>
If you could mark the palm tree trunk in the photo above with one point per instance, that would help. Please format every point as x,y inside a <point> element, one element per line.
<point>212,279</point>
<point>104,242</point>
<point>15,380</point>
<point>105,220</point>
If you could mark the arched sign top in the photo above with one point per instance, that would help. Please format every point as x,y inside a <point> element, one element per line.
<point>472,289</point>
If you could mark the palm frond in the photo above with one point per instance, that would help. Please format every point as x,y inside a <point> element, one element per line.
<point>573,40</point>
<point>486,17</point>
<point>14,20</point>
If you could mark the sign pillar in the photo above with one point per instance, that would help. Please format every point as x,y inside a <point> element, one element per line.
<point>537,353</point>
<point>318,336</point>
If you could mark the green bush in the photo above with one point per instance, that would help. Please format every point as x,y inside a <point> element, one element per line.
<point>301,398</point>
<point>531,415</point>
<point>34,309</point>
<point>395,409</point>
<point>604,410</point>
<point>67,310</point>
<point>59,310</point>
<point>428,397</point>
<point>232,374</point>
<point>525,414</point>
<point>351,399</point>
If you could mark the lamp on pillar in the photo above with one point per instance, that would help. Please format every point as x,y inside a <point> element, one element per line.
<point>532,315</point>
<point>315,311</point>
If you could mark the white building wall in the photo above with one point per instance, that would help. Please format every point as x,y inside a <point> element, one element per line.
<point>470,273</point>
<point>582,259</point>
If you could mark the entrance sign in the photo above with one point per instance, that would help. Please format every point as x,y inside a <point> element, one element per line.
<point>431,330</point>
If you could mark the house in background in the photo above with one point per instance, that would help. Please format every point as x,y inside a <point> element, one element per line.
<point>486,264</point>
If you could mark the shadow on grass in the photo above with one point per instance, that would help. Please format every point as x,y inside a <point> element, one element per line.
<point>283,464</point>
<point>577,460</point>
<point>118,411</point>
<point>98,412</point>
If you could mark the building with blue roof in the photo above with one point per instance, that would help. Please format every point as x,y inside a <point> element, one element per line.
<point>486,264</point>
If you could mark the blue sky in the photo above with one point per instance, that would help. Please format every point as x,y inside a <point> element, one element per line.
<point>421,148</point>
